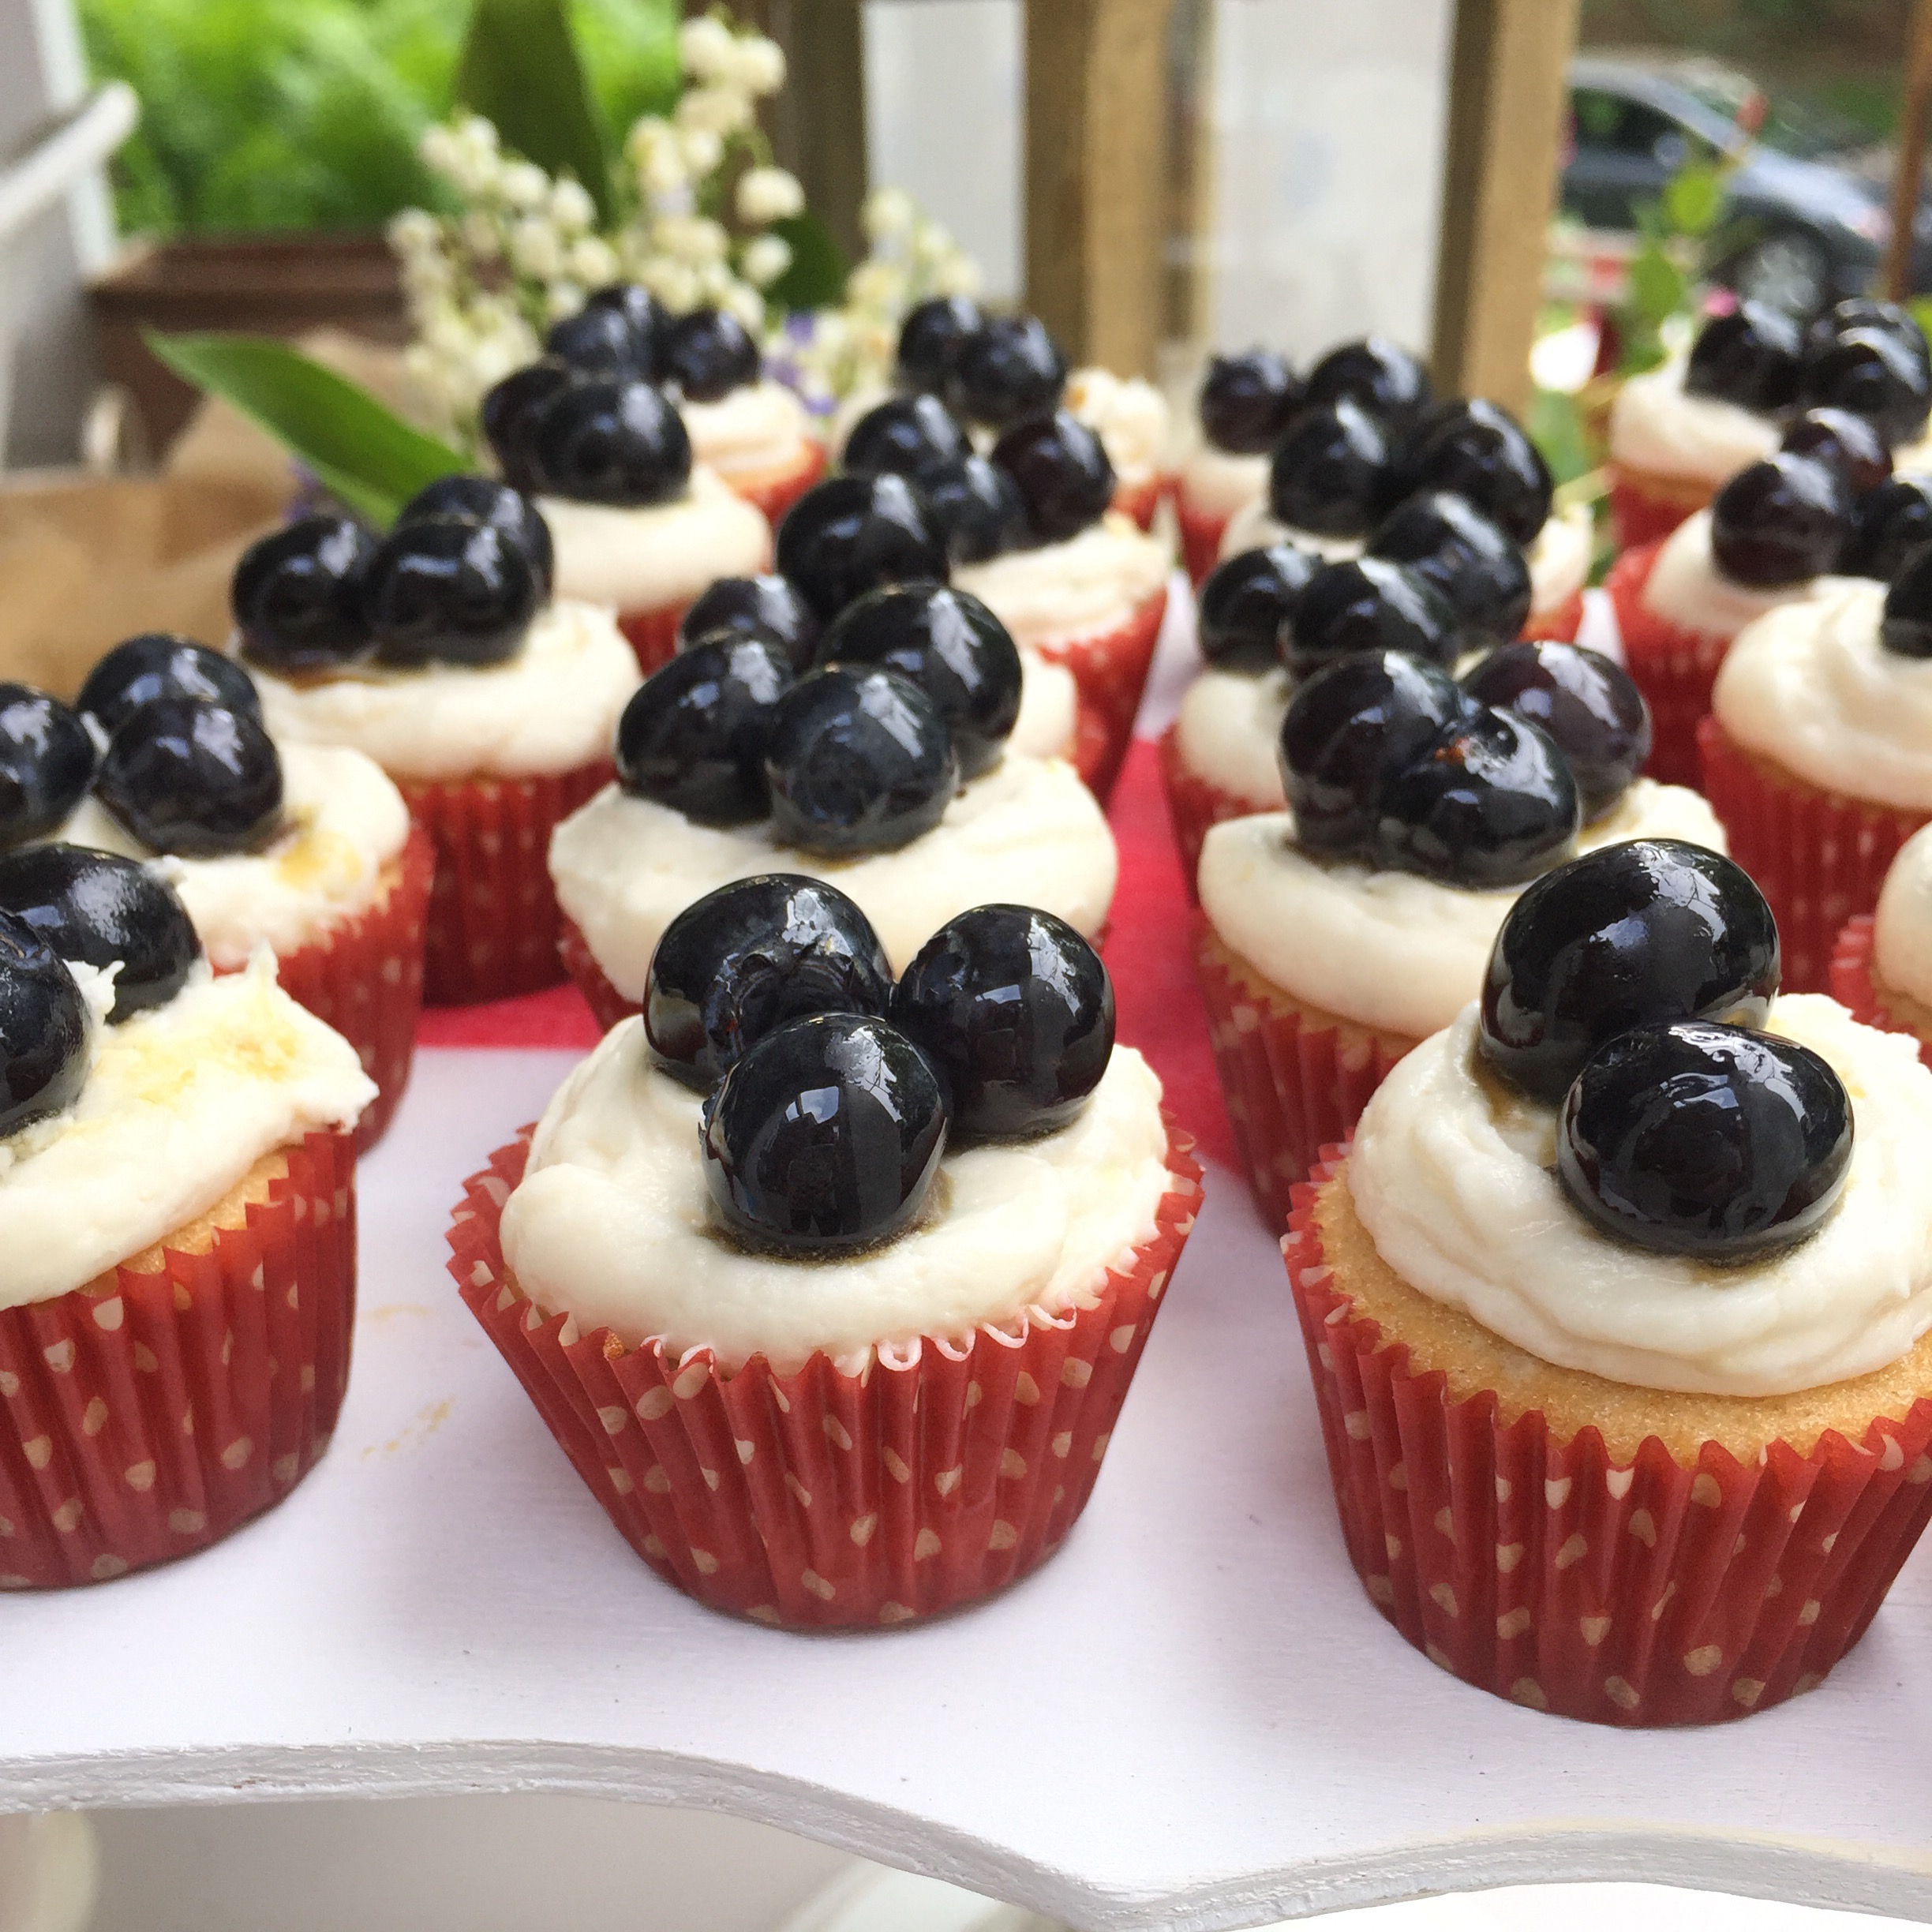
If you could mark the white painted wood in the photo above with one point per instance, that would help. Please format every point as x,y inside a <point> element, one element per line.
<point>1191,1718</point>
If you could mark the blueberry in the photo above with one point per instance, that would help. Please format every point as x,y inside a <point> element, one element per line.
<point>1848,442</point>
<point>159,664</point>
<point>1865,311</point>
<point>1750,356</point>
<point>1873,373</point>
<point>1008,369</point>
<point>1015,1011</point>
<point>600,342</point>
<point>1474,564</point>
<point>1378,374</point>
<point>1246,401</point>
<point>105,910</point>
<point>1780,522</point>
<point>767,607</point>
<point>1330,470</point>
<point>1366,604</point>
<point>47,762</point>
<point>1887,527</point>
<point>611,440</point>
<point>1349,730</point>
<point>484,500</point>
<point>297,595</point>
<point>1695,1138</point>
<point>513,411</point>
<point>748,958</point>
<point>694,734</point>
<point>849,534</point>
<point>825,1138</point>
<point>931,338</point>
<point>192,778</point>
<point>1061,466</point>
<point>647,320</point>
<point>950,645</point>
<point>1586,703</point>
<point>1629,935</point>
<point>977,507</point>
<point>903,436</point>
<point>1248,604</point>
<point>451,588</point>
<point>1906,628</point>
<point>708,353</point>
<point>860,761</point>
<point>1478,451</point>
<point>43,1058</point>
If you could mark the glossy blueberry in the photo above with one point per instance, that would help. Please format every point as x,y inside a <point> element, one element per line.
<point>849,534</point>
<point>513,410</point>
<point>1873,373</point>
<point>694,734</point>
<point>1628,935</point>
<point>1906,628</point>
<point>1246,401</point>
<point>860,761</point>
<point>159,663</point>
<point>1751,357</point>
<point>748,958</point>
<point>47,761</point>
<point>977,507</point>
<point>43,1058</point>
<point>484,500</point>
<point>611,440</point>
<point>1380,376</point>
<point>1008,369</point>
<point>1867,311</point>
<point>931,337</point>
<point>647,320</point>
<point>94,907</point>
<point>1887,527</point>
<point>1349,730</point>
<point>708,353</point>
<point>950,645</point>
<point>1015,1011</point>
<point>192,778</point>
<point>1061,469</point>
<point>600,340</point>
<point>1586,702</point>
<point>1365,603</point>
<point>448,588</point>
<point>297,595</point>
<point>1848,442</point>
<point>767,606</point>
<point>903,436</point>
<point>1478,451</point>
<point>1474,564</point>
<point>1248,604</point>
<point>1695,1138</point>
<point>1330,470</point>
<point>1780,522</point>
<point>825,1137</point>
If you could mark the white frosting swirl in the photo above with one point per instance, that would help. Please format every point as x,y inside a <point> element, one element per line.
<point>1088,586</point>
<point>1811,687</point>
<point>1128,414</point>
<point>551,708</point>
<point>659,556</point>
<point>1048,709</point>
<point>1254,525</point>
<point>1902,933</point>
<point>1218,482</point>
<point>1655,425</point>
<point>1388,949</point>
<point>1027,832</point>
<point>1454,1182</point>
<point>1227,730</point>
<point>180,1103</point>
<point>1687,587</point>
<point>614,1224</point>
<point>760,427</point>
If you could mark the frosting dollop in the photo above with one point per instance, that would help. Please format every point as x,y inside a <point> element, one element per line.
<point>1127,414</point>
<point>1229,728</point>
<point>1686,587</point>
<point>1087,587</point>
<point>1218,482</point>
<point>1655,425</point>
<point>659,556</point>
<point>748,431</point>
<point>1902,935</point>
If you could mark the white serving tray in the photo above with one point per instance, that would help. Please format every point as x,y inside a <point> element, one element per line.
<point>1191,1718</point>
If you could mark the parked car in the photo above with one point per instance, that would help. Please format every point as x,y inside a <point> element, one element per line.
<point>1806,217</point>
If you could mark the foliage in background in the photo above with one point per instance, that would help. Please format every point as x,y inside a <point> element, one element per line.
<point>1672,233</point>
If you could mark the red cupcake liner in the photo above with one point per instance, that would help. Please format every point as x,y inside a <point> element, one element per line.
<point>775,492</point>
<point>1196,807</point>
<point>1292,1087</point>
<point>1534,1568</point>
<point>148,1421</point>
<point>823,1500</point>
<point>1819,859</point>
<point>1558,625</point>
<point>607,1005</point>
<point>653,635</point>
<point>1111,672</point>
<point>1852,986</point>
<point>1140,500</point>
<point>1646,514</point>
<point>1201,532</point>
<point>492,928</point>
<point>1674,668</point>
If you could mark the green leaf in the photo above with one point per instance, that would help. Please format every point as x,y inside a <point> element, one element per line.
<point>816,279</point>
<point>359,451</point>
<point>1692,199</point>
<point>521,69</point>
<point>1658,285</point>
<point>1556,426</point>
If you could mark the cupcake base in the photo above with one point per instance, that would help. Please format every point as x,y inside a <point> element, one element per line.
<point>1196,806</point>
<point>1674,668</point>
<point>652,634</point>
<point>1854,985</point>
<point>1201,532</point>
<point>823,1500</point>
<point>1645,505</point>
<point>1631,1584</point>
<point>774,490</point>
<point>607,1005</point>
<point>1559,624</point>
<point>1141,500</point>
<point>1819,859</point>
<point>1111,672</point>
<point>154,1411</point>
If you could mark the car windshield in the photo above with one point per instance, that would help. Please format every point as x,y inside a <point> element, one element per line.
<point>1792,127</point>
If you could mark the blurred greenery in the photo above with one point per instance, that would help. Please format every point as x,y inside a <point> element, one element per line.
<point>306,114</point>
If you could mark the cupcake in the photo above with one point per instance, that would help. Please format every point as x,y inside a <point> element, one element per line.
<point>439,654</point>
<point>1882,967</point>
<point>878,757</point>
<point>831,1289</point>
<point>1616,1311</point>
<point>1129,416</point>
<point>1245,403</point>
<point>177,1206</point>
<point>1336,936</point>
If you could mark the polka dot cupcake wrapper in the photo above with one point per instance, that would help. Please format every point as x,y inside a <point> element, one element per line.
<point>1674,668</point>
<point>1819,859</point>
<point>1646,509</point>
<point>1201,532</point>
<point>493,918</point>
<point>1851,985</point>
<point>820,1499</point>
<point>146,1423</point>
<point>1111,671</point>
<point>653,635</point>
<point>1538,1570</point>
<point>775,491</point>
<point>1195,807</point>
<point>606,1003</point>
